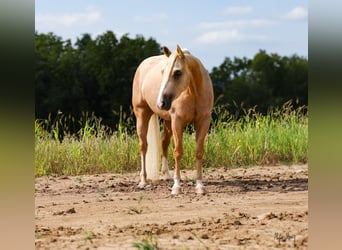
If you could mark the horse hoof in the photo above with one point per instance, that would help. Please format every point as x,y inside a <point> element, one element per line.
<point>142,185</point>
<point>176,191</point>
<point>200,190</point>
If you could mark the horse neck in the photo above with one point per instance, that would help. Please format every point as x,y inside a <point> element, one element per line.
<point>200,86</point>
<point>196,80</point>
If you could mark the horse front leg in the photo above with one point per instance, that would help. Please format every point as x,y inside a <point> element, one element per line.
<point>202,127</point>
<point>177,131</point>
<point>142,127</point>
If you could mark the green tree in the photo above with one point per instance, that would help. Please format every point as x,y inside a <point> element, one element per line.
<point>48,51</point>
<point>264,81</point>
<point>93,75</point>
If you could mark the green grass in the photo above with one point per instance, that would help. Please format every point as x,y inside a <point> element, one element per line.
<point>281,136</point>
<point>148,243</point>
<point>93,150</point>
<point>89,236</point>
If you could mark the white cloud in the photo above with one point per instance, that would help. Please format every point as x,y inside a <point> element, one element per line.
<point>232,31</point>
<point>52,21</point>
<point>215,37</point>
<point>256,23</point>
<point>297,13</point>
<point>227,36</point>
<point>238,10</point>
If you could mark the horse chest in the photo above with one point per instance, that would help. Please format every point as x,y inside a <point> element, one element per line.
<point>184,107</point>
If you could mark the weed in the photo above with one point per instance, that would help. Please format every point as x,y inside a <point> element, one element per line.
<point>89,236</point>
<point>149,243</point>
<point>199,240</point>
<point>141,197</point>
<point>134,210</point>
<point>79,179</point>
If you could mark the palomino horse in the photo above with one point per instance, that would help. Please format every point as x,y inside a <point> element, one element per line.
<point>176,87</point>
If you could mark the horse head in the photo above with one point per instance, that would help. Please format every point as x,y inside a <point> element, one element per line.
<point>175,79</point>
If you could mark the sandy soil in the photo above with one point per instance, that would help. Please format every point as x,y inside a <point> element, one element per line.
<point>258,207</point>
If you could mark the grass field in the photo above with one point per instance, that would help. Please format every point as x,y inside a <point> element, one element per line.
<point>280,136</point>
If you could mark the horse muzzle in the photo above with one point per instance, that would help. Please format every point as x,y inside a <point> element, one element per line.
<point>165,102</point>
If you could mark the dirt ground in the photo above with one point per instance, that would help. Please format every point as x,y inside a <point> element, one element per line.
<point>258,207</point>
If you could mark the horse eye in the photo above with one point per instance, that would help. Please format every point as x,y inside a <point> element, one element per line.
<point>177,74</point>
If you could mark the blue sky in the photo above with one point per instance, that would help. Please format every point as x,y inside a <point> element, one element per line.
<point>211,30</point>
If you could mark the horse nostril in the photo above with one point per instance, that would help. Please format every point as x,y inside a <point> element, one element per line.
<point>161,104</point>
<point>165,103</point>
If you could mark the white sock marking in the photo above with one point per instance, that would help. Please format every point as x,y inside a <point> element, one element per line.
<point>199,184</point>
<point>176,184</point>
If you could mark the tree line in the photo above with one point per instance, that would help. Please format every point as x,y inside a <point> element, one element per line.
<point>95,76</point>
<point>265,81</point>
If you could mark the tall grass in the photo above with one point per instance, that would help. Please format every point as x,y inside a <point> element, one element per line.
<point>280,136</point>
<point>94,149</point>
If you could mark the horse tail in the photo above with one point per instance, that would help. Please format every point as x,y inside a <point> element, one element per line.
<point>153,154</point>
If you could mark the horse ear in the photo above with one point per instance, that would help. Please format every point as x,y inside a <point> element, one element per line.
<point>166,50</point>
<point>180,52</point>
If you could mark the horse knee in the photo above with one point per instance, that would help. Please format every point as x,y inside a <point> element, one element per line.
<point>143,147</point>
<point>199,154</point>
<point>178,153</point>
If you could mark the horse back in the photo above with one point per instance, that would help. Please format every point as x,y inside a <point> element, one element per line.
<point>145,73</point>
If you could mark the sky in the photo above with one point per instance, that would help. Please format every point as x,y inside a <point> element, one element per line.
<point>211,29</point>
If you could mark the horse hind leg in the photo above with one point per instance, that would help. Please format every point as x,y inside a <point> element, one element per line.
<point>165,144</point>
<point>142,125</point>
